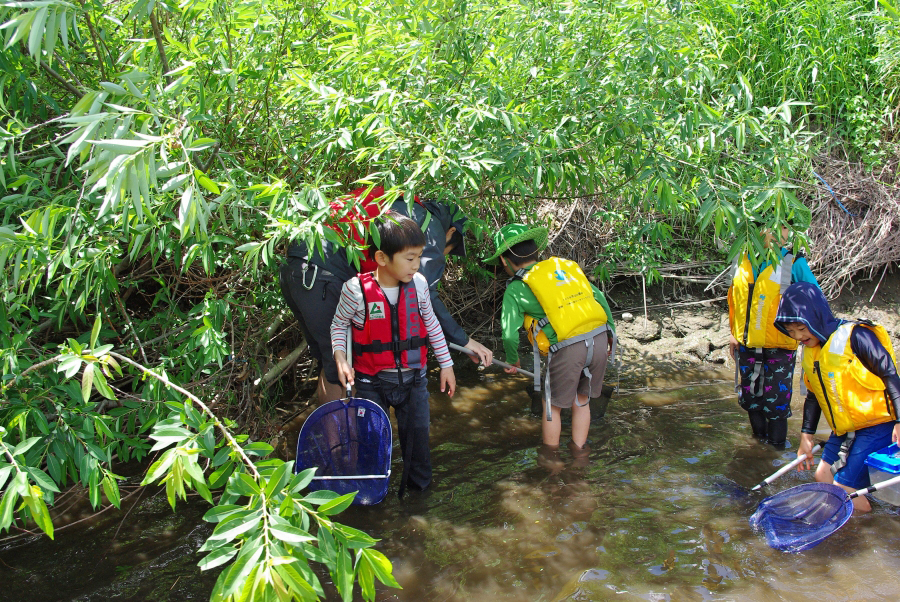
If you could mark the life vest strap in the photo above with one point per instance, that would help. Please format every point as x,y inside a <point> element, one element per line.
<point>588,339</point>
<point>843,452</point>
<point>392,346</point>
<point>757,380</point>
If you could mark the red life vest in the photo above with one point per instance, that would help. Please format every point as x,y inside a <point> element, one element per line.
<point>367,208</point>
<point>392,336</point>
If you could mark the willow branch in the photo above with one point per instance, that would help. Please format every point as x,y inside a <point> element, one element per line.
<point>96,41</point>
<point>157,34</point>
<point>37,366</point>
<point>60,80</point>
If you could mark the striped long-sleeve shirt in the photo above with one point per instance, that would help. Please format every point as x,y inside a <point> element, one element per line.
<point>352,308</point>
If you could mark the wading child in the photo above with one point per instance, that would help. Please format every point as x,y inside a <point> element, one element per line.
<point>850,371</point>
<point>567,316</point>
<point>311,281</point>
<point>392,320</point>
<point>764,357</point>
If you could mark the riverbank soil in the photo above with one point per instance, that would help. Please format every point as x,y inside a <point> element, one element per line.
<point>690,333</point>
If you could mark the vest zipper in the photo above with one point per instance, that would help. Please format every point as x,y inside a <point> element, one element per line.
<point>749,307</point>
<point>824,390</point>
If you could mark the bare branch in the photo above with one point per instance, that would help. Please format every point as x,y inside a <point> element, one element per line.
<point>157,34</point>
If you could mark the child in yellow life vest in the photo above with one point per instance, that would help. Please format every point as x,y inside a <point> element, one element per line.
<point>764,357</point>
<point>574,317</point>
<point>851,373</point>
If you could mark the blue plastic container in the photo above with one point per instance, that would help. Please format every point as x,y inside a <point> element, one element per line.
<point>883,465</point>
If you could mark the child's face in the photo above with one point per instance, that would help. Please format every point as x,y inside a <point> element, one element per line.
<point>799,332</point>
<point>399,268</point>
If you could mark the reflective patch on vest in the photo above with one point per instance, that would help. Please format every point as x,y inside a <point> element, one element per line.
<point>838,342</point>
<point>775,276</point>
<point>376,310</point>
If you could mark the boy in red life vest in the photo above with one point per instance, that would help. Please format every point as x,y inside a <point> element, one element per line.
<point>392,320</point>
<point>311,280</point>
<point>568,319</point>
<point>851,374</point>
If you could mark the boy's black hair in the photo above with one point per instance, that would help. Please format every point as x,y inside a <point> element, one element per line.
<point>397,232</point>
<point>522,253</point>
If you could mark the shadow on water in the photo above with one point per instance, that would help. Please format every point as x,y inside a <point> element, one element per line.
<point>659,513</point>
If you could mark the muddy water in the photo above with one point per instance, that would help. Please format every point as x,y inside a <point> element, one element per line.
<point>659,513</point>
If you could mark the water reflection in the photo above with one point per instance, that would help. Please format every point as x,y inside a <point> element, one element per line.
<point>658,512</point>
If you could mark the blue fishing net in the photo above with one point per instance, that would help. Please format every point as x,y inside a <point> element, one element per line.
<point>346,439</point>
<point>801,517</point>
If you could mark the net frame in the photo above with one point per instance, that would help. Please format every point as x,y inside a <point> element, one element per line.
<point>349,443</point>
<point>801,517</point>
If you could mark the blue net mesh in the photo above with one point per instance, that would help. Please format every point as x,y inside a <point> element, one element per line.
<point>342,439</point>
<point>801,517</point>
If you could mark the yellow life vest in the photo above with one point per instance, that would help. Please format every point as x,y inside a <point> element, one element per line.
<point>567,299</point>
<point>753,304</point>
<point>850,396</point>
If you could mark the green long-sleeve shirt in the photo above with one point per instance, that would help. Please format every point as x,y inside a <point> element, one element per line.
<point>518,300</point>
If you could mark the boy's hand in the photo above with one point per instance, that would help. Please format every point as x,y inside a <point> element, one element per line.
<point>448,381</point>
<point>513,368</point>
<point>345,372</point>
<point>482,354</point>
<point>895,436</point>
<point>805,447</point>
<point>732,345</point>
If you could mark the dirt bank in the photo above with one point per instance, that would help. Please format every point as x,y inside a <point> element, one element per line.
<point>690,333</point>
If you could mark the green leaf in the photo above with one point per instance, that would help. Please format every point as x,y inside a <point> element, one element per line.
<point>24,446</point>
<point>277,479</point>
<point>241,568</point>
<point>217,557</point>
<point>322,496</point>
<point>41,479</point>
<point>289,534</point>
<point>204,181</point>
<point>337,505</point>
<point>218,513</point>
<point>87,381</point>
<point>111,489</point>
<point>95,331</point>
<point>381,565</point>
<point>200,144</point>
<point>120,145</point>
<point>7,505</point>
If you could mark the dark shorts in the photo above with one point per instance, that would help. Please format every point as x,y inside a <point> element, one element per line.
<point>855,473</point>
<point>774,400</point>
<point>565,372</point>
<point>313,295</point>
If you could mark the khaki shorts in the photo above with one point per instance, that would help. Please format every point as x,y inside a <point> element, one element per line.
<point>566,376</point>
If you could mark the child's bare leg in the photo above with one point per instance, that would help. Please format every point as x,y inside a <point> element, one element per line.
<point>581,420</point>
<point>550,428</point>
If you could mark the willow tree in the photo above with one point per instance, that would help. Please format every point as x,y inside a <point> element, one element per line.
<point>143,141</point>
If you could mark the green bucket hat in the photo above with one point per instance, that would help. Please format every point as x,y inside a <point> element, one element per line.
<point>512,234</point>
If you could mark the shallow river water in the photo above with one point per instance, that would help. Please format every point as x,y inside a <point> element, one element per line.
<point>659,513</point>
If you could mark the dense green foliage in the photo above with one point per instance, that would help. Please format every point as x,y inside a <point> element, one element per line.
<point>155,157</point>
